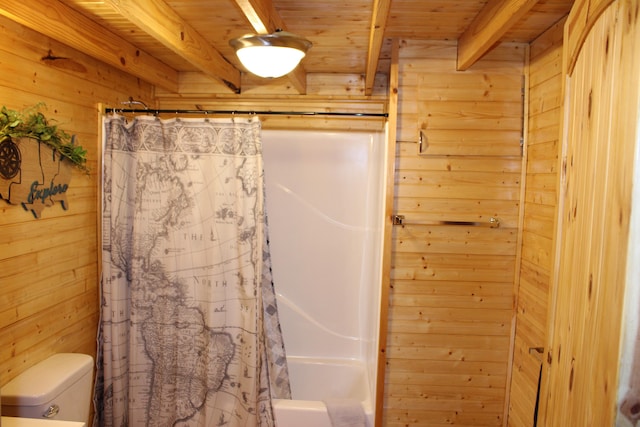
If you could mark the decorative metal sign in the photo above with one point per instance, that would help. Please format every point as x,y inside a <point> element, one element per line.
<point>33,174</point>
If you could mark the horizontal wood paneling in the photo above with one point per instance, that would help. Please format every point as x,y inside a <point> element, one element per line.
<point>318,84</point>
<point>326,92</point>
<point>452,297</point>
<point>452,239</point>
<point>48,266</point>
<point>545,84</point>
<point>415,345</point>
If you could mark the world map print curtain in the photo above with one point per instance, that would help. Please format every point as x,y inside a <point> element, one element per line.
<point>189,331</point>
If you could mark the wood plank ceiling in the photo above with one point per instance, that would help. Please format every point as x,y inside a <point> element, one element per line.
<point>156,40</point>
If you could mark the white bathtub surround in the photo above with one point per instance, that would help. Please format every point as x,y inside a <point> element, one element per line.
<point>345,412</point>
<point>324,200</point>
<point>316,380</point>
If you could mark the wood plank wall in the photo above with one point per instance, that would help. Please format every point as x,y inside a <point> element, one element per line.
<point>452,303</point>
<point>48,266</point>
<point>545,84</point>
<point>325,93</point>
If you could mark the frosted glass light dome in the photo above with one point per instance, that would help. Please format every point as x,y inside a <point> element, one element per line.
<point>270,55</point>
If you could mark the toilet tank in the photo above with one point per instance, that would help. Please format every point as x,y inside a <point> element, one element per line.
<point>57,388</point>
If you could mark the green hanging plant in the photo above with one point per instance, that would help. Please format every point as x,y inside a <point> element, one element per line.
<point>31,123</point>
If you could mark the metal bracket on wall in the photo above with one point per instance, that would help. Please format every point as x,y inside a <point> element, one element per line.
<point>423,142</point>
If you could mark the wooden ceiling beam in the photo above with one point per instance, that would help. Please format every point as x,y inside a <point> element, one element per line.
<point>160,21</point>
<point>60,22</point>
<point>376,38</point>
<point>258,12</point>
<point>265,19</point>
<point>493,21</point>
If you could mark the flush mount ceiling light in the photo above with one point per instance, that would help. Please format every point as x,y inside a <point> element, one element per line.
<point>271,55</point>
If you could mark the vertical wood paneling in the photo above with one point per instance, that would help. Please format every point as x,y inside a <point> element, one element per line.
<point>538,225</point>
<point>48,266</point>
<point>602,101</point>
<point>452,286</point>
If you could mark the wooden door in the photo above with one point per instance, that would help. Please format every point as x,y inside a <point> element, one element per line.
<point>601,104</point>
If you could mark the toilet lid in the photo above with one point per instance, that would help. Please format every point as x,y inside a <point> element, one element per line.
<point>44,381</point>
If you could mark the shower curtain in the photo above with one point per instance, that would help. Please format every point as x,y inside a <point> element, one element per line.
<point>189,332</point>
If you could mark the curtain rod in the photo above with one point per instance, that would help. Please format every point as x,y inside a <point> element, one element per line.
<point>279,113</point>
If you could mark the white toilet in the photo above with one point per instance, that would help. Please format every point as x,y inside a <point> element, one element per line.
<point>58,388</point>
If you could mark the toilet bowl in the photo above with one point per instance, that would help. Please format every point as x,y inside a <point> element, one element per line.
<point>58,388</point>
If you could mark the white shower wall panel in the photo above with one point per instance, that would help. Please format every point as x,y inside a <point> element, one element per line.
<point>324,206</point>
